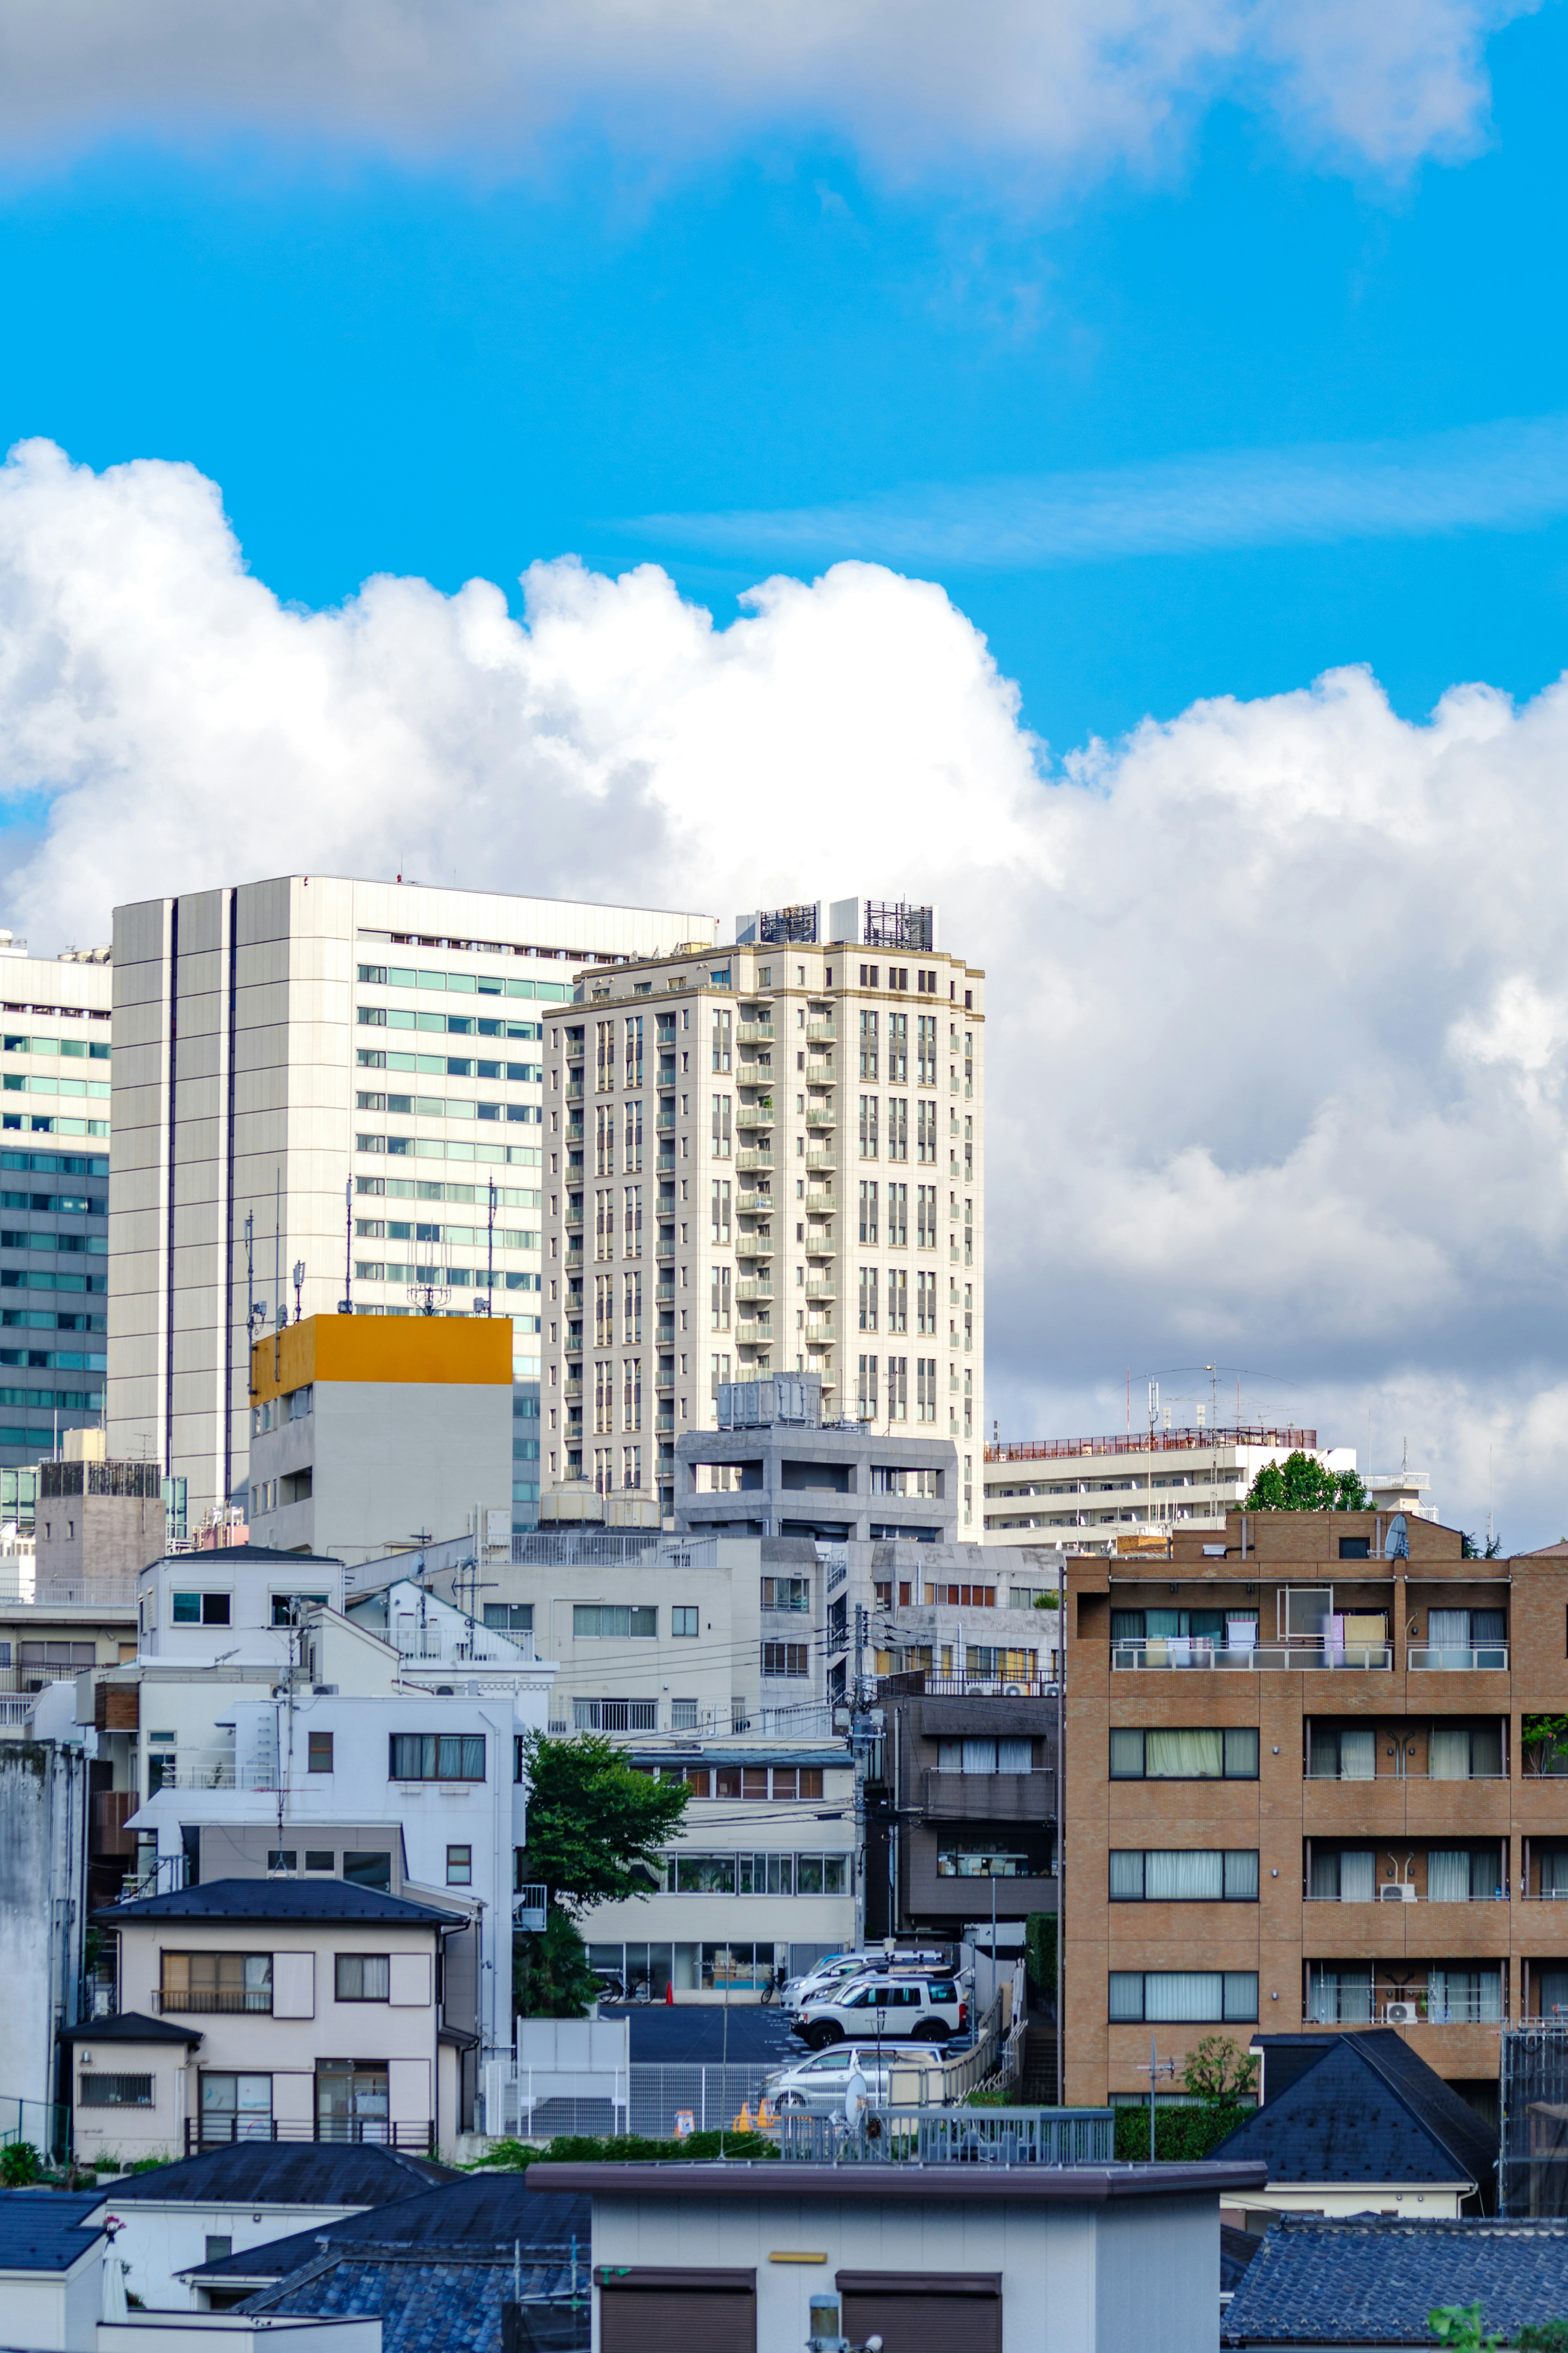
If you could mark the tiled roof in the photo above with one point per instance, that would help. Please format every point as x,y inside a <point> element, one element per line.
<point>1374,2283</point>
<point>288,2173</point>
<point>483,2215</point>
<point>431,2303</point>
<point>45,2230</point>
<point>1236,2249</point>
<point>130,2026</point>
<point>280,1899</point>
<point>1364,2108</point>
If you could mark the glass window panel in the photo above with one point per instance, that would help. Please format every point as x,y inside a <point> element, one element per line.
<point>1241,1995</point>
<point>1485,1749</point>
<point>1191,1756</point>
<point>1449,1628</point>
<point>1127,1995</point>
<point>1358,1877</point>
<point>1014,1756</point>
<point>1186,1875</point>
<point>1358,1754</point>
<point>1448,1875</point>
<point>1173,1995</point>
<point>1448,1753</point>
<point>1126,1874</point>
<point>1241,1753</point>
<point>1127,1756</point>
<point>1241,1875</point>
<point>980,1757</point>
<point>1324,1880</point>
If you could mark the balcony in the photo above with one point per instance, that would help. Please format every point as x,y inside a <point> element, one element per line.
<point>573,1221</point>
<point>760,1157</point>
<point>820,1335</point>
<point>574,1131</point>
<point>822,1286</point>
<point>574,1389</point>
<point>757,1286</point>
<point>820,1115</point>
<point>614,1716</point>
<point>253,2001</point>
<point>755,1116</point>
<point>664,1252</point>
<point>822,1155</point>
<point>1301,1654</point>
<point>664,1120</point>
<point>988,1797</point>
<point>663,1423</point>
<point>664,1294</point>
<point>755,1033</point>
<point>819,1242</point>
<point>573,1090</point>
<point>819,1074</point>
<point>664,1385</point>
<point>574,1257</point>
<point>748,1204</point>
<point>380,2132</point>
<point>1443,1658</point>
<point>754,1335</point>
<point>821,1205</point>
<point>665,1165</point>
<point>821,1033</point>
<point>754,1246</point>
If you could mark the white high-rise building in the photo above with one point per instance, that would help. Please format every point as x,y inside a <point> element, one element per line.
<point>328,1075</point>
<point>1099,1495</point>
<point>766,1159</point>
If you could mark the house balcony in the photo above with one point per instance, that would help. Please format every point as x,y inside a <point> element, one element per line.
<point>418,2137</point>
<point>819,1242</point>
<point>1443,1658</point>
<point>755,1033</point>
<point>754,1246</point>
<point>664,1120</point>
<point>821,1033</point>
<point>819,1074</point>
<point>757,1334</point>
<point>822,1286</point>
<point>820,1117</point>
<point>821,1205</point>
<point>664,1294</point>
<point>760,1157</point>
<point>755,1116</point>
<point>987,1797</point>
<point>758,1286</point>
<point>1301,1654</point>
<point>821,1155</point>
<point>573,1391</point>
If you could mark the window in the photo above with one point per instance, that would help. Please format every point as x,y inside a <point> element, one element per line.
<point>898,1127</point>
<point>288,1608</point>
<point>321,1752</point>
<point>460,1866</point>
<point>1184,1875</point>
<point>898,1295</point>
<point>787,1593</point>
<point>720,1041</point>
<point>1150,1996</point>
<point>116,2091</point>
<point>925,1220</point>
<point>720,1127</point>
<point>897,1217</point>
<point>869,1211</point>
<point>236,2107</point>
<point>898,1384</point>
<point>219,2247</point>
<point>319,1858</point>
<point>790,1660</point>
<point>720,1207</point>
<point>870,1144</point>
<point>719,1300</point>
<point>201,1608</point>
<point>979,1854</point>
<point>632,1137</point>
<point>682,1622</point>
<point>1205,1754</point>
<point>986,1755</point>
<point>609,1620</point>
<point>510,1617</point>
<point>281,1858</point>
<point>869,1046</point>
<point>867,1299</point>
<point>436,1757</point>
<point>925,1388</point>
<point>215,1981</point>
<point>370,1869</point>
<point>363,1976</point>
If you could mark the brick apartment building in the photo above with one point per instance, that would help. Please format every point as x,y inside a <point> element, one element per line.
<point>1299,1792</point>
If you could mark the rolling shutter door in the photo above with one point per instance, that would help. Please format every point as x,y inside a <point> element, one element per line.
<point>923,2311</point>
<point>645,2309</point>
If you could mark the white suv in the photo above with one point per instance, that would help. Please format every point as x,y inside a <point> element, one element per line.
<point>884,2010</point>
<point>843,1969</point>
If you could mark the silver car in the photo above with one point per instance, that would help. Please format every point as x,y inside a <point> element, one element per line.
<point>818,2084</point>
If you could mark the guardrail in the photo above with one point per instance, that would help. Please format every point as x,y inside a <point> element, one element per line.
<point>1308,1654</point>
<point>932,2136</point>
<point>1445,1657</point>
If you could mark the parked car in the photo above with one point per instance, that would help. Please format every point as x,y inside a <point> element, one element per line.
<point>841,1969</point>
<point>886,2009</point>
<point>818,2084</point>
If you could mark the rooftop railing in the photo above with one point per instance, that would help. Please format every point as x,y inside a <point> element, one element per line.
<point>949,2135</point>
<point>1154,1441</point>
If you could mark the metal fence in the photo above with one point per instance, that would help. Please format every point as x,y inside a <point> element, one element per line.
<point>1532,2170</point>
<point>927,2136</point>
<point>647,2099</point>
<point>42,2124</point>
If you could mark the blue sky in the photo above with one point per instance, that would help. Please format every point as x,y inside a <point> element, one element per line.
<point>1139,351</point>
<point>449,371</point>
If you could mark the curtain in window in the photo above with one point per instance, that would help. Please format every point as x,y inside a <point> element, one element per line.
<point>1325,1878</point>
<point>1158,1623</point>
<point>1448,1753</point>
<point>1358,1754</point>
<point>1241,1875</point>
<point>1241,1753</point>
<point>1014,1756</point>
<point>1484,1886</point>
<point>1554,1871</point>
<point>979,1756</point>
<point>1173,1995</point>
<point>950,1756</point>
<point>1465,1997</point>
<point>1196,1754</point>
<point>1324,1756</point>
<point>1184,1874</point>
<point>1358,1877</point>
<point>1485,1750</point>
<point>1339,1997</point>
<point>1449,1627</point>
<point>1553,1988</point>
<point>1126,1874</point>
<point>1486,1626</point>
<point>1126,1625</point>
<point>1448,1875</point>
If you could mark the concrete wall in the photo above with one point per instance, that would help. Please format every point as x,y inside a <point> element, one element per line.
<point>42,1858</point>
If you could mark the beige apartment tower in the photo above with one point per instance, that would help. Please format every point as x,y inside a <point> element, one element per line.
<point>765,1159</point>
<point>337,1076</point>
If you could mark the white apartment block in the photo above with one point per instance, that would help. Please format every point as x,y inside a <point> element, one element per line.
<point>1089,1494</point>
<point>768,1158</point>
<point>54,1196</point>
<point>338,1075</point>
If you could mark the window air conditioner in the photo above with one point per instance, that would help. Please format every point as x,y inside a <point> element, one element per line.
<point>1400,2013</point>
<point>1396,1891</point>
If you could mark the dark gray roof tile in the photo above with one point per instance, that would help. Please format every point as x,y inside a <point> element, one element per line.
<point>1364,2282</point>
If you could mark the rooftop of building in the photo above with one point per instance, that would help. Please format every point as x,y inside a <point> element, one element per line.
<point>1360,2107</point>
<point>425,1351</point>
<point>472,2216</point>
<point>280,1899</point>
<point>285,2173</point>
<point>1206,1437</point>
<point>45,2229</point>
<point>130,2026</point>
<point>936,2185</point>
<point>1366,2281</point>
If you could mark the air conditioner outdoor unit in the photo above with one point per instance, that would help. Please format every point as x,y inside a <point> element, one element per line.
<point>1400,2013</point>
<point>1396,1891</point>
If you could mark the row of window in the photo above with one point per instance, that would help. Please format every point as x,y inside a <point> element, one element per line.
<point>16,1122</point>
<point>755,1782</point>
<point>21,1237</point>
<point>438,1147</point>
<point>1200,1753</point>
<point>460,984</point>
<point>15,1083</point>
<point>406,1188</point>
<point>70,1205</point>
<point>86,1049</point>
<point>621,1622</point>
<point>1184,1997</point>
<point>406,1229</point>
<point>52,1401</point>
<point>1184,1875</point>
<point>755,1874</point>
<point>242,1981</point>
<point>446,1025</point>
<point>464,1278</point>
<point>38,1278</point>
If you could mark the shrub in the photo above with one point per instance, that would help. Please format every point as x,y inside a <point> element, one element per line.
<point>20,2164</point>
<point>1182,2136</point>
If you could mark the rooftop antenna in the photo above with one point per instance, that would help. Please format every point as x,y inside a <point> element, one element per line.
<point>299,1286</point>
<point>346,1304</point>
<point>488,1307</point>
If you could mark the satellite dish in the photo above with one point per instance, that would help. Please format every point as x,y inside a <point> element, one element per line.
<point>1398,1545</point>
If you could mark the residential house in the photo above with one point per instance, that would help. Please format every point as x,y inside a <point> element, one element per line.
<point>1317,2282</point>
<point>961,1800</point>
<point>51,2269</point>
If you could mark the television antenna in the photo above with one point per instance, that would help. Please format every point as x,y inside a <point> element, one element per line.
<point>430,1290</point>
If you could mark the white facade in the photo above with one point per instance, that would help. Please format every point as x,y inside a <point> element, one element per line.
<point>1107,1489</point>
<point>260,1071</point>
<point>54,1108</point>
<point>764,1158</point>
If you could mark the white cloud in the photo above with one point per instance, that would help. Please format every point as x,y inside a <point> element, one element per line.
<point>1058,83</point>
<point>1507,476</point>
<point>1277,1027</point>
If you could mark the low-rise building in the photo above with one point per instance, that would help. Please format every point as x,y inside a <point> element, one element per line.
<point>775,1468</point>
<point>51,2269</point>
<point>310,2010</point>
<point>960,1802</point>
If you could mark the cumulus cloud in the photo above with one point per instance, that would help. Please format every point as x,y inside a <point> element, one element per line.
<point>1278,1033</point>
<point>1052,82</point>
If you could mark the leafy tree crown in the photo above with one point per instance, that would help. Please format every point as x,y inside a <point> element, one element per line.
<point>597,1826</point>
<point>1299,1484</point>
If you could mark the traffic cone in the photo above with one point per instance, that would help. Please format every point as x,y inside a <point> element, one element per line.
<point>744,2121</point>
<point>669,1993</point>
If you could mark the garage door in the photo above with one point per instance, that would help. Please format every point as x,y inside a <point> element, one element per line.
<point>645,2309</point>
<point>923,2311</point>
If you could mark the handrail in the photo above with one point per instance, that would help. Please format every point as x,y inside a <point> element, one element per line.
<point>950,2136</point>
<point>1152,1441</point>
<point>1301,1653</point>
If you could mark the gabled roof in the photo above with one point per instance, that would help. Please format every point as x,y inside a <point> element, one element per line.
<point>281,1899</point>
<point>45,2229</point>
<point>477,2215</point>
<point>429,2299</point>
<point>1364,2282</point>
<point>131,2026</point>
<point>285,2173</point>
<point>1363,2108</point>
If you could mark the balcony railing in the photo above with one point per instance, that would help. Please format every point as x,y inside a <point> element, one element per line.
<point>1445,1657</point>
<point>614,1716</point>
<point>199,2002</point>
<point>1302,1653</point>
<point>953,2136</point>
<point>1401,1772</point>
<point>379,2132</point>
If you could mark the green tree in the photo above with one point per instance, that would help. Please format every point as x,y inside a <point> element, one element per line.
<point>597,1826</point>
<point>1459,2324</point>
<point>1545,1737</point>
<point>1220,2072</point>
<point>551,1977</point>
<point>1299,1484</point>
<point>20,2165</point>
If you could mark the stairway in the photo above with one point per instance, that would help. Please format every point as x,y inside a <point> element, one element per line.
<point>1039,2086</point>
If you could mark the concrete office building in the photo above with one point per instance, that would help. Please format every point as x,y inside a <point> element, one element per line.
<point>773,1468</point>
<point>55,1084</point>
<point>261,1070</point>
<point>1097,1495</point>
<point>366,1432</point>
<point>763,1159</point>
